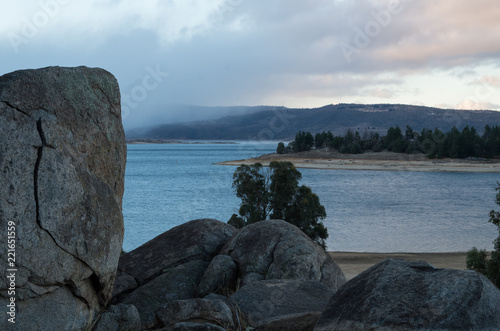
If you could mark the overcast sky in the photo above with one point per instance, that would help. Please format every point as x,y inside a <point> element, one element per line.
<point>294,53</point>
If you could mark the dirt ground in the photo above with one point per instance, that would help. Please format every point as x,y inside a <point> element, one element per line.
<point>353,264</point>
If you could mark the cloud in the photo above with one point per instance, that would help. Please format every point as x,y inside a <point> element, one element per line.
<point>425,33</point>
<point>292,53</point>
<point>444,33</point>
<point>381,93</point>
<point>489,80</point>
<point>96,21</point>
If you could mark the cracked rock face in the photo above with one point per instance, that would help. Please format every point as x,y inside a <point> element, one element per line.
<point>62,164</point>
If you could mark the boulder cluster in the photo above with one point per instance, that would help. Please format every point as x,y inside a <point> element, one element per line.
<point>267,274</point>
<point>270,276</point>
<point>62,160</point>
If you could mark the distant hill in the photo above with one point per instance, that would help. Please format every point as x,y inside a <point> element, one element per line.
<point>180,113</point>
<point>270,123</point>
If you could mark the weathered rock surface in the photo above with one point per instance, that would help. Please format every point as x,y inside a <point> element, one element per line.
<point>219,276</point>
<point>276,249</point>
<point>282,302</point>
<point>202,311</point>
<point>170,266</point>
<point>400,295</point>
<point>299,322</point>
<point>195,240</point>
<point>177,283</point>
<point>124,283</point>
<point>119,317</point>
<point>62,160</point>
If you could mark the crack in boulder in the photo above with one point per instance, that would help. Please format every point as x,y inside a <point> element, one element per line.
<point>95,281</point>
<point>36,171</point>
<point>10,105</point>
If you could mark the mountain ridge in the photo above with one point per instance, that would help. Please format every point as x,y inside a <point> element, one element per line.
<point>272,123</point>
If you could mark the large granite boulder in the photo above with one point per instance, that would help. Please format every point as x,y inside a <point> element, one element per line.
<point>282,304</point>
<point>195,240</point>
<point>169,267</point>
<point>62,160</point>
<point>276,249</point>
<point>400,295</point>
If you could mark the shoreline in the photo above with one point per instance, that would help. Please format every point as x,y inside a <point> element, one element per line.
<point>353,263</point>
<point>188,142</point>
<point>383,161</point>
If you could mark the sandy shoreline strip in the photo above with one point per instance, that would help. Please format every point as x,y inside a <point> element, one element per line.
<point>377,165</point>
<point>353,264</point>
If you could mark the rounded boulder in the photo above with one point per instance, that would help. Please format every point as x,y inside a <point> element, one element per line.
<point>275,249</point>
<point>401,295</point>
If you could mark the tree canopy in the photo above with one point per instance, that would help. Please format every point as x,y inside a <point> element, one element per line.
<point>274,193</point>
<point>252,187</point>
<point>477,259</point>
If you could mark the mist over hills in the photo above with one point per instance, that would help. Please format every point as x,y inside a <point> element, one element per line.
<point>179,113</point>
<point>271,123</point>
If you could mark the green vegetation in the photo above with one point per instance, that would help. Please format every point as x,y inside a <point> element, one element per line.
<point>304,141</point>
<point>275,193</point>
<point>477,259</point>
<point>456,144</point>
<point>434,143</point>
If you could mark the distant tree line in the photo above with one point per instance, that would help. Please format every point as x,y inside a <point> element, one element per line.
<point>434,143</point>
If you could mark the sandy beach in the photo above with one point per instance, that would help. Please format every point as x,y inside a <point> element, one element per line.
<point>384,161</point>
<point>353,264</point>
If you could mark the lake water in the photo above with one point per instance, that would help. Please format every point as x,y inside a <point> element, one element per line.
<point>368,211</point>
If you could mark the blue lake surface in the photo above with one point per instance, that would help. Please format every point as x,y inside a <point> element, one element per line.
<point>368,211</point>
